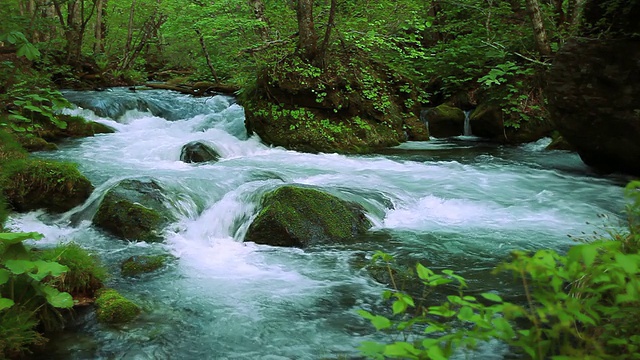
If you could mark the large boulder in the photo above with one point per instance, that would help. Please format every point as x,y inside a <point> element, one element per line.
<point>486,121</point>
<point>197,152</point>
<point>444,120</point>
<point>593,99</point>
<point>594,85</point>
<point>298,217</point>
<point>134,210</point>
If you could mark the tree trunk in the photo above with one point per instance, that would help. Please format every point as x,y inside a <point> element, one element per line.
<point>127,47</point>
<point>206,55</point>
<point>98,46</point>
<point>307,38</point>
<point>539,32</point>
<point>327,33</point>
<point>258,12</point>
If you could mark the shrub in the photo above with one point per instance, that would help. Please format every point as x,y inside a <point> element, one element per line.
<point>26,300</point>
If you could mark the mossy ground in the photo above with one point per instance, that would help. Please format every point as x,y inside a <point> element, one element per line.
<point>113,308</point>
<point>296,216</point>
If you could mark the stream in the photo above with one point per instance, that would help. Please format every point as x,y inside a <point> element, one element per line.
<point>457,203</point>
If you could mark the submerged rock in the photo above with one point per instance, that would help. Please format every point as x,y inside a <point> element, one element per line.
<point>134,210</point>
<point>298,217</point>
<point>142,264</point>
<point>113,308</point>
<point>444,121</point>
<point>197,152</point>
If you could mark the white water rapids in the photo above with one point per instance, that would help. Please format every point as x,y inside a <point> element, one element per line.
<point>454,203</point>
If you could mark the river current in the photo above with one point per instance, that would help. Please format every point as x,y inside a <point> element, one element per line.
<point>453,203</point>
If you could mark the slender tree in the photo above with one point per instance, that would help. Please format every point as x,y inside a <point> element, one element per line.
<point>307,37</point>
<point>539,31</point>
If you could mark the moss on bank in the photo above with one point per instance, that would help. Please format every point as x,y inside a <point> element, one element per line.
<point>85,275</point>
<point>353,105</point>
<point>30,184</point>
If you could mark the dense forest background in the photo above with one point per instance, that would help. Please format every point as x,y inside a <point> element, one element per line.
<point>484,49</point>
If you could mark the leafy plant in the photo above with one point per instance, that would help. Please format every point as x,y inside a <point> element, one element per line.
<point>584,304</point>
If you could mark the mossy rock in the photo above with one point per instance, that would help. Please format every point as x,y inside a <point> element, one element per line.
<point>198,152</point>
<point>416,130</point>
<point>76,127</point>
<point>487,121</point>
<point>444,121</point>
<point>295,216</point>
<point>134,210</point>
<point>34,143</point>
<point>113,308</point>
<point>142,264</point>
<point>31,184</point>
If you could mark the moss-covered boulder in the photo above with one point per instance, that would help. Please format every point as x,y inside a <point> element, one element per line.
<point>134,210</point>
<point>444,120</point>
<point>486,121</point>
<point>76,127</point>
<point>352,104</point>
<point>142,264</point>
<point>298,217</point>
<point>113,308</point>
<point>197,152</point>
<point>30,184</point>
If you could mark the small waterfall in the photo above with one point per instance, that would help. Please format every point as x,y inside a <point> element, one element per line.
<point>467,124</point>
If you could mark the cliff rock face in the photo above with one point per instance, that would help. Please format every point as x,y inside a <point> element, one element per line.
<point>593,96</point>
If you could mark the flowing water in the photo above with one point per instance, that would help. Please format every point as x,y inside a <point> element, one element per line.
<point>455,203</point>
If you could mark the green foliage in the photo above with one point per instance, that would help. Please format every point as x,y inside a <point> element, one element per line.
<point>584,304</point>
<point>24,47</point>
<point>17,333</point>
<point>85,274</point>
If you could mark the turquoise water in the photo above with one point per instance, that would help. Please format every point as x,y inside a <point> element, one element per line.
<point>449,203</point>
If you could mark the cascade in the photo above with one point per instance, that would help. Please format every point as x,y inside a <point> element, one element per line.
<point>467,124</point>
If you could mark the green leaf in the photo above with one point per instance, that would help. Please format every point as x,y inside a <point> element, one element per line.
<point>14,238</point>
<point>380,322</point>
<point>435,353</point>
<point>492,297</point>
<point>399,306</point>
<point>56,298</point>
<point>423,272</point>
<point>5,303</point>
<point>401,349</point>
<point>4,276</point>
<point>18,267</point>
<point>629,263</point>
<point>29,51</point>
